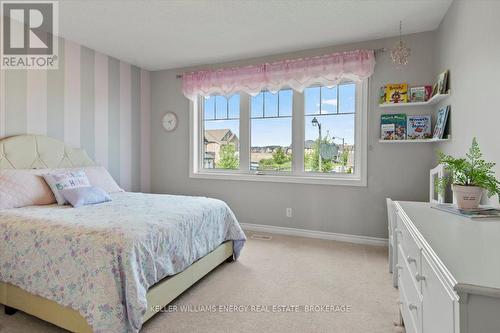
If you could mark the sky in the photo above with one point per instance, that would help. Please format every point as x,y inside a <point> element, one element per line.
<point>278,131</point>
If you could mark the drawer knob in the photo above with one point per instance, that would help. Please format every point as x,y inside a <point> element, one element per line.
<point>399,267</point>
<point>410,259</point>
<point>419,277</point>
<point>412,307</point>
<point>398,231</point>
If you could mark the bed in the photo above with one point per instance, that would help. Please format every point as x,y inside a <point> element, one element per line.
<point>107,267</point>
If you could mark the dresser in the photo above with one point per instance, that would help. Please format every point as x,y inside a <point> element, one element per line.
<point>447,269</point>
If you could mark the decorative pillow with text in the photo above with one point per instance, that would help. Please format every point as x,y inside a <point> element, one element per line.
<point>65,180</point>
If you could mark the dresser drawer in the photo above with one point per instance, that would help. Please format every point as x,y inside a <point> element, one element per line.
<point>408,321</point>
<point>412,251</point>
<point>409,293</point>
<point>438,300</point>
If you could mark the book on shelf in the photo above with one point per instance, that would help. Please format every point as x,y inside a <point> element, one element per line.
<point>417,94</point>
<point>420,94</point>
<point>387,131</point>
<point>484,212</point>
<point>418,127</point>
<point>382,95</point>
<point>428,92</point>
<point>441,86</point>
<point>441,121</point>
<point>393,126</point>
<point>396,93</point>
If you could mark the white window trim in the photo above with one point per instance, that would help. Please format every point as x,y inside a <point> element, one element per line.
<point>297,175</point>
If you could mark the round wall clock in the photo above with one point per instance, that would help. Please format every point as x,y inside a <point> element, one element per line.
<point>170,121</point>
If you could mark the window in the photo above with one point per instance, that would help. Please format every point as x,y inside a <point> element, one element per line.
<point>329,145</point>
<point>271,131</point>
<point>317,137</point>
<point>221,132</point>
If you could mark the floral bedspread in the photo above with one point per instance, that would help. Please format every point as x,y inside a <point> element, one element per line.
<point>100,260</point>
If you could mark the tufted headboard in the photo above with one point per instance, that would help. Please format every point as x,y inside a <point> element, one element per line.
<point>40,152</point>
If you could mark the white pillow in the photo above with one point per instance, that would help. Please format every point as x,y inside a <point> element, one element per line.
<point>88,195</point>
<point>61,180</point>
<point>20,188</point>
<point>100,177</point>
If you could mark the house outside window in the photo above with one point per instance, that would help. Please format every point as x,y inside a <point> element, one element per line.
<point>215,140</point>
<point>220,132</point>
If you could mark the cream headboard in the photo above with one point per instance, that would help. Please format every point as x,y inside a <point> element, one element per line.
<point>39,152</point>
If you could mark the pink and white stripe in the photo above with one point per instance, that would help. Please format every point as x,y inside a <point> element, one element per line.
<point>101,109</point>
<point>32,92</point>
<point>145,131</point>
<point>36,103</point>
<point>2,103</point>
<point>125,126</point>
<point>72,94</point>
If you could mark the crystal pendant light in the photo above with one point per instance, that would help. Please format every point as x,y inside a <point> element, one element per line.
<point>400,52</point>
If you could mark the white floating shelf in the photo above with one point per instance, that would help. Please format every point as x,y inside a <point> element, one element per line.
<point>434,100</point>
<point>414,141</point>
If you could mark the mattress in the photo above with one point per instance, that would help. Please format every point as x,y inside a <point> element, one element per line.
<point>101,259</point>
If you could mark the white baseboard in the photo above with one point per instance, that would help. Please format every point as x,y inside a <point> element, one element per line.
<point>315,234</point>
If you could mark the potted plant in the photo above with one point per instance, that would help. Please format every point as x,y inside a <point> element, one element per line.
<point>469,176</point>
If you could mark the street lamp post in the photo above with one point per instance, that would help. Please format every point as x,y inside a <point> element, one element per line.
<point>315,123</point>
<point>343,141</point>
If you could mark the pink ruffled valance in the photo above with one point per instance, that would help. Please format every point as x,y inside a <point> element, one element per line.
<point>297,74</point>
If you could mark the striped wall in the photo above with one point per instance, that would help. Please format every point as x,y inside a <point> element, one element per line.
<point>92,101</point>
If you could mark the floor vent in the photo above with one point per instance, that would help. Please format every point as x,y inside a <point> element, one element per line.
<point>261,237</point>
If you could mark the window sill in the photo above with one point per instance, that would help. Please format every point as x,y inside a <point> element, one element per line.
<point>293,179</point>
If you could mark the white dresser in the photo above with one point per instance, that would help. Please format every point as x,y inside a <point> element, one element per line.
<point>447,269</point>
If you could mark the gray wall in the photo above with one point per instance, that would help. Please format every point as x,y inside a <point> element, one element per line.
<point>396,170</point>
<point>92,101</point>
<point>468,44</point>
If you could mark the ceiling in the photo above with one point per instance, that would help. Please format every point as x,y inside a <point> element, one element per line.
<point>177,33</point>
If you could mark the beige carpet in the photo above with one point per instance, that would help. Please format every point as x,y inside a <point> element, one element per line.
<point>282,271</point>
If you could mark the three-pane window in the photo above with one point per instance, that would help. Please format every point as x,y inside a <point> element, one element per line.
<point>326,126</point>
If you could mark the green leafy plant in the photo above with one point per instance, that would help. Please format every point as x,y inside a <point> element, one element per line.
<point>280,161</point>
<point>469,171</point>
<point>312,159</point>
<point>344,158</point>
<point>228,158</point>
<point>279,156</point>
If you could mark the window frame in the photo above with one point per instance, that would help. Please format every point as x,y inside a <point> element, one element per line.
<point>298,174</point>
<point>202,130</point>
<point>278,116</point>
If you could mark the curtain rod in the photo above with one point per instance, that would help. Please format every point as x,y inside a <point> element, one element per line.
<point>380,50</point>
